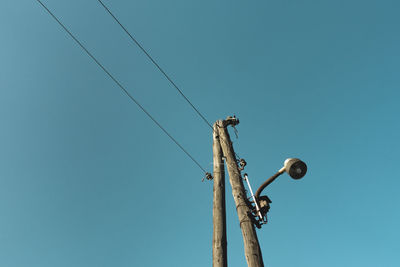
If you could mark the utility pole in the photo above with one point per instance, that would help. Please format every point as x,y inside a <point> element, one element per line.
<point>251,246</point>
<point>219,214</point>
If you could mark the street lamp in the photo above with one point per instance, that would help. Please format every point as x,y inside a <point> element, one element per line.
<point>292,166</point>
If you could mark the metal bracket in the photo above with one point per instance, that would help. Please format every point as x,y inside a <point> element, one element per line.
<point>256,209</point>
<point>259,206</point>
<point>231,120</point>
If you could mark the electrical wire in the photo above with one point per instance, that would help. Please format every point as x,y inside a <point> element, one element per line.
<point>155,63</point>
<point>122,87</point>
<point>158,66</point>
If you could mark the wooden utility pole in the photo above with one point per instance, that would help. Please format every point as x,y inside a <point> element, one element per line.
<point>251,246</point>
<point>219,213</point>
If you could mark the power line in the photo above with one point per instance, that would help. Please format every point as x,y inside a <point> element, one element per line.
<point>158,66</point>
<point>155,63</point>
<point>122,87</point>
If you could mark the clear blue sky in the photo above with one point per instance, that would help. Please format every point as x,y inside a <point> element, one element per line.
<point>87,180</point>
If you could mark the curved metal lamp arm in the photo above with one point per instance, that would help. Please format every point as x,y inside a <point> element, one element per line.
<point>267,182</point>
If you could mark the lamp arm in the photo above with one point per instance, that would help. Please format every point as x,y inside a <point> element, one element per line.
<point>267,182</point>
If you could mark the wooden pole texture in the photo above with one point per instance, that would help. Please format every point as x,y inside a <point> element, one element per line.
<point>251,246</point>
<point>219,214</point>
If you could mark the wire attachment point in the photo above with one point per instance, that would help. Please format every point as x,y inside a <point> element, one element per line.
<point>207,176</point>
<point>242,164</point>
<point>232,120</point>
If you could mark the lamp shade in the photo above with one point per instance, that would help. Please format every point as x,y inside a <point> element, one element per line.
<point>295,168</point>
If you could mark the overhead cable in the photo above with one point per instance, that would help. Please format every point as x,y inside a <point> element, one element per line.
<point>122,87</point>
<point>155,63</point>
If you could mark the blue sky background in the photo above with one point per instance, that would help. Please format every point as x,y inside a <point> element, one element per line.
<point>86,179</point>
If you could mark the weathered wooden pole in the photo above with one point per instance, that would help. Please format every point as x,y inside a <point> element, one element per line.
<point>219,243</point>
<point>251,246</point>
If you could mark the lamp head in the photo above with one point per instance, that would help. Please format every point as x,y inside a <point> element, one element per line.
<point>295,168</point>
